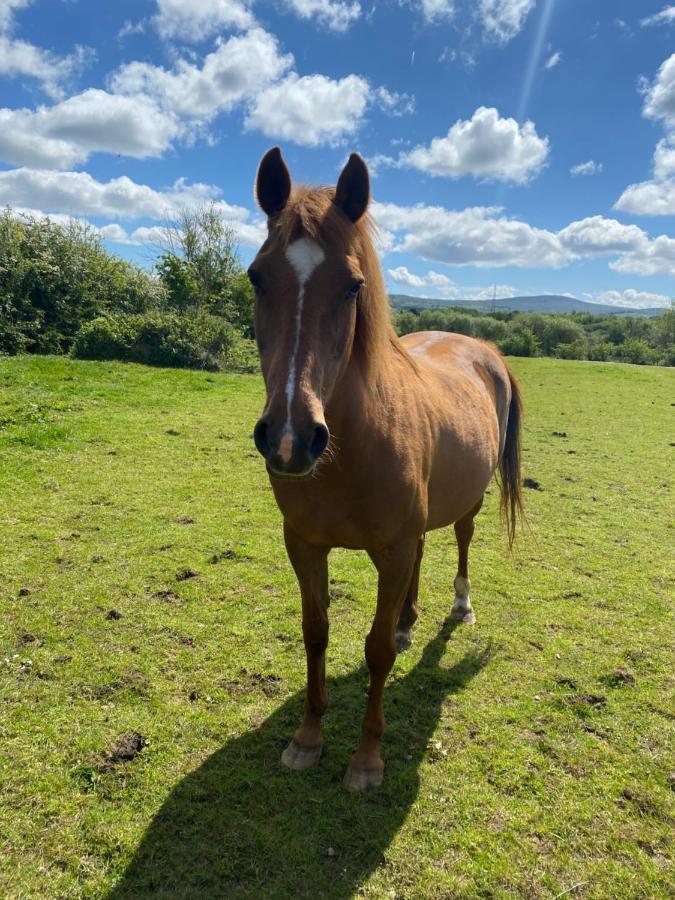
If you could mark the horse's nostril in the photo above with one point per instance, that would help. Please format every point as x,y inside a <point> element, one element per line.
<point>320,441</point>
<point>260,437</point>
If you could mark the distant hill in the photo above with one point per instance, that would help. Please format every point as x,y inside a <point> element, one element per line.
<point>545,303</point>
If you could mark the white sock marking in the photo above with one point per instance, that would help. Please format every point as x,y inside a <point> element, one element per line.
<point>462,598</point>
<point>304,255</point>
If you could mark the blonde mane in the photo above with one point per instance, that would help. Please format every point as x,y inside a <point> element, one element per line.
<point>311,212</point>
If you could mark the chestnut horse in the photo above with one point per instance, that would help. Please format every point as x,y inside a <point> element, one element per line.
<point>369,441</point>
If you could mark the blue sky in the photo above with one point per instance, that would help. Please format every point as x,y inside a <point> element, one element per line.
<point>522,146</point>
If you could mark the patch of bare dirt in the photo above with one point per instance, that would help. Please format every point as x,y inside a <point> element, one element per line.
<point>168,596</point>
<point>186,574</point>
<point>587,700</point>
<point>619,677</point>
<point>125,749</point>
<point>224,554</point>
<point>132,681</point>
<point>27,638</point>
<point>533,484</point>
<point>248,682</point>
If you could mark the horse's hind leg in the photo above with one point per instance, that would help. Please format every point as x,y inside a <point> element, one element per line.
<point>464,528</point>
<point>408,615</point>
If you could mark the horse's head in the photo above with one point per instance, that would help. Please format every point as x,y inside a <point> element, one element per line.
<point>307,277</point>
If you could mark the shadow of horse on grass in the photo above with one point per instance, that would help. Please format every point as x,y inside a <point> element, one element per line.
<point>243,826</point>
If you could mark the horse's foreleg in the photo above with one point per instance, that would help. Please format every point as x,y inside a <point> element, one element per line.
<point>311,567</point>
<point>464,529</point>
<point>395,568</point>
<point>408,615</point>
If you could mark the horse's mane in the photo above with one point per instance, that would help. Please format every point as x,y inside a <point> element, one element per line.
<point>311,212</point>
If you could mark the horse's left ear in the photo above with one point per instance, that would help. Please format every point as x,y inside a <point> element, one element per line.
<point>353,188</point>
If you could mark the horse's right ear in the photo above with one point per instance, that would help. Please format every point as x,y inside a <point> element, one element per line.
<point>352,193</point>
<point>273,183</point>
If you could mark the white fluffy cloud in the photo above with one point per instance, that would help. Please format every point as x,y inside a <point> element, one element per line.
<point>7,9</point>
<point>436,10</point>
<point>665,17</point>
<point>631,298</point>
<point>652,257</point>
<point>95,120</point>
<point>649,198</point>
<point>147,108</point>
<point>401,275</point>
<point>438,282</point>
<point>81,194</point>
<point>591,167</point>
<point>39,193</point>
<point>477,236</point>
<point>235,71</point>
<point>20,58</point>
<point>553,60</point>
<point>196,20</point>
<point>596,234</point>
<point>335,14</point>
<point>664,157</point>
<point>310,110</point>
<point>657,197</point>
<point>660,94</point>
<point>439,285</point>
<point>486,146</point>
<point>483,236</point>
<point>503,19</point>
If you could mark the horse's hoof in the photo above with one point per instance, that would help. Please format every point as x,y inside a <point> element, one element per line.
<point>463,615</point>
<point>297,757</point>
<point>357,779</point>
<point>403,641</point>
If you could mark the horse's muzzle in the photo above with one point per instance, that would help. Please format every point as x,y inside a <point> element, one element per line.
<point>290,454</point>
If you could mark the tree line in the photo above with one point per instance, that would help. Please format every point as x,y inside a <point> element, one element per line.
<point>62,292</point>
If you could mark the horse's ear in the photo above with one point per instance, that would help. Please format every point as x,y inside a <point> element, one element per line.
<point>353,188</point>
<point>273,183</point>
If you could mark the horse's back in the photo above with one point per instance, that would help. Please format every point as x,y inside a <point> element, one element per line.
<point>455,357</point>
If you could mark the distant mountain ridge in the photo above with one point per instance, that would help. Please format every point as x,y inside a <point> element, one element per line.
<point>543,303</point>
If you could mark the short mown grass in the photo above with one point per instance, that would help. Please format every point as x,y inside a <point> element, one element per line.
<point>152,667</point>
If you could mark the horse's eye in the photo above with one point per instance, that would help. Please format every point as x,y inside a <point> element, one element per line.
<point>354,289</point>
<point>254,278</point>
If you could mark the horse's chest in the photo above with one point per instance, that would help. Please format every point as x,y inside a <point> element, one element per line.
<point>356,513</point>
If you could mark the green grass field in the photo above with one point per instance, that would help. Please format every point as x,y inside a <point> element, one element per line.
<point>144,588</point>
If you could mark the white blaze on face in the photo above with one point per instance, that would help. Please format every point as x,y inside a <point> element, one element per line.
<point>304,255</point>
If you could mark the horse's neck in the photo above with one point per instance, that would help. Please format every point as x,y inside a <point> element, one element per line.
<point>357,400</point>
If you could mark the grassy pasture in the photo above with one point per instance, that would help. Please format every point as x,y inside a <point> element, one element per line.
<point>144,588</point>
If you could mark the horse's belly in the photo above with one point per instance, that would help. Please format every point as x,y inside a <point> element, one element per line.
<point>461,471</point>
<point>452,497</point>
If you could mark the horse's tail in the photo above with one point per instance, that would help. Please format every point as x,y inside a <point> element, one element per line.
<point>511,504</point>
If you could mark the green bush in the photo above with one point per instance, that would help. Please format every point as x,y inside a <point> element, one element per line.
<point>198,341</point>
<point>53,278</point>
<point>521,341</point>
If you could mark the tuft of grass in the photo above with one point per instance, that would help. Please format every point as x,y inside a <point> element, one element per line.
<point>145,709</point>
